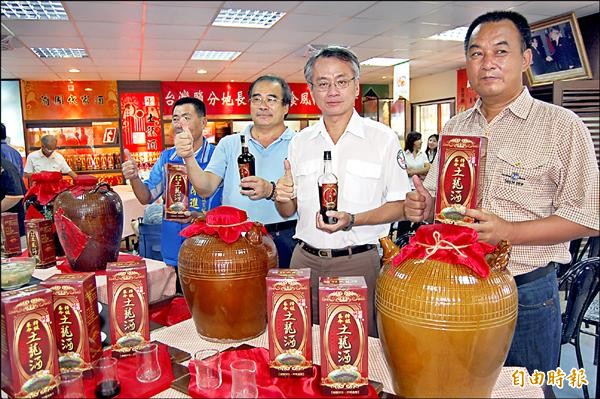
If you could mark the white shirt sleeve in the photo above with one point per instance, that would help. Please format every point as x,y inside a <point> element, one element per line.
<point>60,161</point>
<point>396,179</point>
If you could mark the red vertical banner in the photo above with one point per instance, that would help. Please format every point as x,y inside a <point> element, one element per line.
<point>141,127</point>
<point>465,96</point>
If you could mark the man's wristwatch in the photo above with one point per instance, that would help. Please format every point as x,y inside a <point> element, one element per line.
<point>352,219</point>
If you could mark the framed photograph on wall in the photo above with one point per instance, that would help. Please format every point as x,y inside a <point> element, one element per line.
<point>558,51</point>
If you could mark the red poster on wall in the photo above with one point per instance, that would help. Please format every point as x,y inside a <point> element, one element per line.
<point>140,119</point>
<point>141,128</point>
<point>231,98</point>
<point>465,96</point>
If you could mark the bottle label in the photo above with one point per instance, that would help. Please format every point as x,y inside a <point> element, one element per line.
<point>329,194</point>
<point>244,170</point>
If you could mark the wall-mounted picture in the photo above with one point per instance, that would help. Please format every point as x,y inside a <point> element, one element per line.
<point>558,51</point>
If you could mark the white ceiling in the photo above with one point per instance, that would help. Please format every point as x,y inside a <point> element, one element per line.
<point>154,40</point>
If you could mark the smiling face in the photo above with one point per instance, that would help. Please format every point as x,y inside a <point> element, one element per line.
<point>265,112</point>
<point>495,62</point>
<point>334,101</point>
<point>432,143</point>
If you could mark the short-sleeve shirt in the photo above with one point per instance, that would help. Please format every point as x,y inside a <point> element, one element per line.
<point>38,162</point>
<point>12,155</point>
<point>540,161</point>
<point>12,184</point>
<point>370,167</point>
<point>268,165</point>
<point>171,240</point>
<point>414,162</point>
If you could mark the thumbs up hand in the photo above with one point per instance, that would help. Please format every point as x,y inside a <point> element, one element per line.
<point>418,205</point>
<point>284,189</point>
<point>129,166</point>
<point>184,143</point>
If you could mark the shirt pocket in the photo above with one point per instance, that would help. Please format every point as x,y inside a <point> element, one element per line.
<point>519,178</point>
<point>360,182</point>
<point>306,180</point>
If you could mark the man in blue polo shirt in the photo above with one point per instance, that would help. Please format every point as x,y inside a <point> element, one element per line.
<point>189,118</point>
<point>268,139</point>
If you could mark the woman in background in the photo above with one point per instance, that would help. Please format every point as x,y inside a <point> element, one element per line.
<point>416,161</point>
<point>432,147</point>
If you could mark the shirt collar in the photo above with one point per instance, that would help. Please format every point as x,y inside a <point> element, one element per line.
<point>355,126</point>
<point>520,107</point>
<point>286,135</point>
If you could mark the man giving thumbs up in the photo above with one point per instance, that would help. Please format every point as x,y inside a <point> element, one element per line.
<point>189,120</point>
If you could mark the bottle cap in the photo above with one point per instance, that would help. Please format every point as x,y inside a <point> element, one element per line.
<point>327,155</point>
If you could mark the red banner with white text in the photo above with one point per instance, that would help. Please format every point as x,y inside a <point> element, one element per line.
<point>231,98</point>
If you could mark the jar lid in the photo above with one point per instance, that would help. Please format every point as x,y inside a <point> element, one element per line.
<point>85,180</point>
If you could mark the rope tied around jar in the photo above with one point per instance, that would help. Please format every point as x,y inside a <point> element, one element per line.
<point>227,222</point>
<point>447,243</point>
<point>432,249</point>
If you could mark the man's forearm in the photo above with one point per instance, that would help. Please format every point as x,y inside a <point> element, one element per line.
<point>140,190</point>
<point>9,201</point>
<point>286,209</point>
<point>386,213</point>
<point>548,231</point>
<point>205,183</point>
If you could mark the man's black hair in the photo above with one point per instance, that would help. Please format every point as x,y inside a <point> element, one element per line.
<point>497,16</point>
<point>198,104</point>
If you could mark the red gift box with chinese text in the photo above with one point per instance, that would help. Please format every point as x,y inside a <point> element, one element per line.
<point>29,356</point>
<point>344,339</point>
<point>176,193</point>
<point>11,239</point>
<point>460,177</point>
<point>127,290</point>
<point>40,242</point>
<point>289,322</point>
<point>76,320</point>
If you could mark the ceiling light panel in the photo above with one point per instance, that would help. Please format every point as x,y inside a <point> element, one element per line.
<point>383,61</point>
<point>247,18</point>
<point>456,34</point>
<point>210,55</point>
<point>44,10</point>
<point>45,52</point>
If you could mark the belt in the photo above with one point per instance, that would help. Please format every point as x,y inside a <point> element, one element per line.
<point>333,253</point>
<point>273,227</point>
<point>535,274</point>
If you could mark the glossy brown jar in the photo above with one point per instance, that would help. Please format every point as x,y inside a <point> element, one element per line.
<point>225,285</point>
<point>96,212</point>
<point>445,332</point>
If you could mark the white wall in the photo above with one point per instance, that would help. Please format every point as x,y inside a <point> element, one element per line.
<point>433,87</point>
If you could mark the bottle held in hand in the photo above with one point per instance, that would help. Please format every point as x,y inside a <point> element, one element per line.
<point>245,161</point>
<point>328,189</point>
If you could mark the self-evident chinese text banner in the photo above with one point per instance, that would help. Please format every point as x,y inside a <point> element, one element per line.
<point>231,98</point>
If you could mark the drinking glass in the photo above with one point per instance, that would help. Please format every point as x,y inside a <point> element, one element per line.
<point>71,384</point>
<point>107,379</point>
<point>208,368</point>
<point>147,360</point>
<point>243,379</point>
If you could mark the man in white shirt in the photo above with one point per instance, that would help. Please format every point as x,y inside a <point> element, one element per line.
<point>372,180</point>
<point>47,159</point>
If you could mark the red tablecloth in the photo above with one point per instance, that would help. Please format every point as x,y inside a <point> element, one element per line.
<point>268,387</point>
<point>130,386</point>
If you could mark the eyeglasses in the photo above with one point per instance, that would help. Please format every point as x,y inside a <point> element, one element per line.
<point>270,101</point>
<point>325,85</point>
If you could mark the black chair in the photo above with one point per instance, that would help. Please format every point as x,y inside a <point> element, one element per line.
<point>583,279</point>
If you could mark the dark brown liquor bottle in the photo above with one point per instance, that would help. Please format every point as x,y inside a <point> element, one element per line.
<point>328,189</point>
<point>245,161</point>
